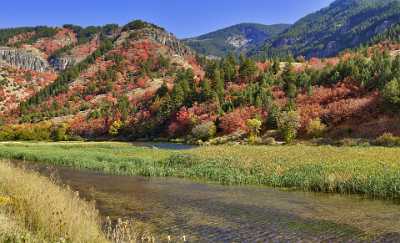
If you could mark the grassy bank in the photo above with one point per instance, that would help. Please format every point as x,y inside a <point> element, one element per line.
<point>33,209</point>
<point>373,171</point>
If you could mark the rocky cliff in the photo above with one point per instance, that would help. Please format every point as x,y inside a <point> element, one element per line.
<point>164,38</point>
<point>22,58</point>
<point>61,63</point>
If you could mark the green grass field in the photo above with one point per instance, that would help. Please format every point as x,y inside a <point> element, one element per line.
<point>373,171</point>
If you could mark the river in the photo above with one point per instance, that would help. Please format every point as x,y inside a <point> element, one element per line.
<point>214,213</point>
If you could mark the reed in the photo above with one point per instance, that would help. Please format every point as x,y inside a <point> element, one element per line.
<point>372,171</point>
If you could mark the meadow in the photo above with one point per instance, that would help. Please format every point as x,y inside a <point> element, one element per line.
<point>371,171</point>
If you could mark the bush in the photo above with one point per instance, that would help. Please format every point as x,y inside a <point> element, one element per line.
<point>316,128</point>
<point>44,131</point>
<point>114,128</point>
<point>391,92</point>
<point>60,133</point>
<point>204,131</point>
<point>254,126</point>
<point>388,139</point>
<point>288,124</point>
<point>353,142</point>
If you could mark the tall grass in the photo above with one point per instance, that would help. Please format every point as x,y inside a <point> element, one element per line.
<point>39,211</point>
<point>373,171</point>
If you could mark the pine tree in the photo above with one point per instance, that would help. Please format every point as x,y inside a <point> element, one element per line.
<point>177,97</point>
<point>276,66</point>
<point>219,84</point>
<point>205,90</point>
<point>248,70</point>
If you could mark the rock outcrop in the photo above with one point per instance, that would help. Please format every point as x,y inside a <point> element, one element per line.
<point>61,63</point>
<point>23,59</point>
<point>164,38</point>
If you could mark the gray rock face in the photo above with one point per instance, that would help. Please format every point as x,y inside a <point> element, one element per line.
<point>164,38</point>
<point>23,59</point>
<point>61,63</point>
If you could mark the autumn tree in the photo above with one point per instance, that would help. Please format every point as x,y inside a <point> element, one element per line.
<point>288,124</point>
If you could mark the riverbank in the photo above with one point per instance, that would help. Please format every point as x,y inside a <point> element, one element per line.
<point>33,209</point>
<point>371,171</point>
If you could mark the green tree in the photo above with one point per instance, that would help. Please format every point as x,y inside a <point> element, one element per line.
<point>276,66</point>
<point>60,132</point>
<point>163,90</point>
<point>391,92</point>
<point>248,70</point>
<point>177,97</point>
<point>229,68</point>
<point>288,124</point>
<point>205,90</point>
<point>219,84</point>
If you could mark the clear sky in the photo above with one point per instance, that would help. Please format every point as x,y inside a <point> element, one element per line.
<point>185,18</point>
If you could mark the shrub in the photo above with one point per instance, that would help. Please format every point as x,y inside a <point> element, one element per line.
<point>7,133</point>
<point>288,124</point>
<point>391,92</point>
<point>316,128</point>
<point>60,133</point>
<point>114,128</point>
<point>353,142</point>
<point>204,131</point>
<point>254,126</point>
<point>236,121</point>
<point>388,139</point>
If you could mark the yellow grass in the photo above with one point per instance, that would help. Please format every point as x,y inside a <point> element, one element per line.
<point>35,209</point>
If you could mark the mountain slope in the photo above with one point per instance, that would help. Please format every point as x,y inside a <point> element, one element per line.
<point>343,24</point>
<point>130,65</point>
<point>235,39</point>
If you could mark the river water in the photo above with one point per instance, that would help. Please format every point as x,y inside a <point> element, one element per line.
<point>203,212</point>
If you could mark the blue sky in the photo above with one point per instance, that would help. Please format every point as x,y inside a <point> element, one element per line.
<point>185,18</point>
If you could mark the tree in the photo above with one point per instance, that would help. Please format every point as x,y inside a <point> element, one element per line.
<point>391,92</point>
<point>114,128</point>
<point>288,124</point>
<point>60,133</point>
<point>123,106</point>
<point>247,70</point>
<point>204,131</point>
<point>177,97</point>
<point>276,66</point>
<point>205,90</point>
<point>219,84</point>
<point>229,68</point>
<point>254,126</point>
<point>163,90</point>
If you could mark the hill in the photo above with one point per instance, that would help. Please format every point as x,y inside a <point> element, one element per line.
<point>344,24</point>
<point>140,81</point>
<point>235,39</point>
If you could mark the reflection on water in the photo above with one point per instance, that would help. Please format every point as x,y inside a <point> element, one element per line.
<point>217,213</point>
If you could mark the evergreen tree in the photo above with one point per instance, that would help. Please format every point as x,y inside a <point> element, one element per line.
<point>219,84</point>
<point>276,66</point>
<point>229,68</point>
<point>205,90</point>
<point>163,90</point>
<point>248,70</point>
<point>177,97</point>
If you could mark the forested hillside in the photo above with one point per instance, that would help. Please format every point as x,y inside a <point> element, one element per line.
<point>236,39</point>
<point>344,24</point>
<point>140,81</point>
